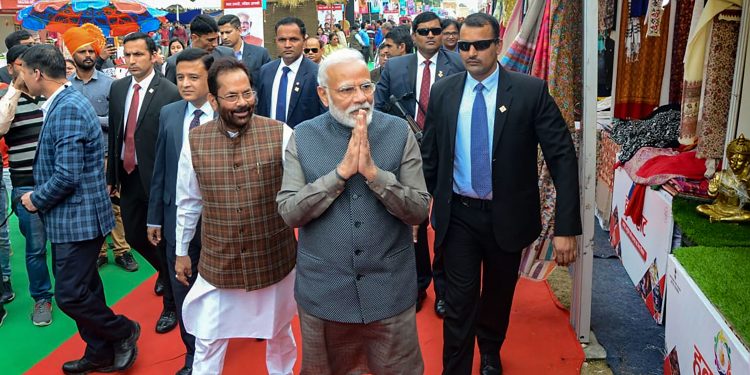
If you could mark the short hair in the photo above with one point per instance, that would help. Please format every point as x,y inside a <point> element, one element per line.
<point>171,41</point>
<point>422,18</point>
<point>70,61</point>
<point>150,44</point>
<point>230,19</point>
<point>339,56</point>
<point>400,34</point>
<point>15,52</point>
<point>450,21</point>
<point>320,42</point>
<point>481,20</point>
<point>290,21</point>
<point>46,59</point>
<point>193,54</point>
<point>221,66</point>
<point>15,38</point>
<point>203,24</point>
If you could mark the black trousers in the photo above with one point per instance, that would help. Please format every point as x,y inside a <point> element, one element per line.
<point>180,291</point>
<point>428,271</point>
<point>134,210</point>
<point>481,279</point>
<point>80,295</point>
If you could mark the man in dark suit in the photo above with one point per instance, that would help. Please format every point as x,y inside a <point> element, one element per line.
<point>70,196</point>
<point>287,87</point>
<point>409,78</point>
<point>175,121</point>
<point>204,34</point>
<point>480,165</point>
<point>134,105</point>
<point>397,42</point>
<point>231,36</point>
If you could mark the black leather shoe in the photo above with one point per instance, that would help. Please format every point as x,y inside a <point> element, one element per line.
<point>101,260</point>
<point>126,350</point>
<point>185,371</point>
<point>440,307</point>
<point>127,262</point>
<point>421,295</point>
<point>167,321</point>
<point>490,365</point>
<point>84,366</point>
<point>159,288</point>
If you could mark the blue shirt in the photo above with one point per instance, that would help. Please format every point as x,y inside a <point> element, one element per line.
<point>96,90</point>
<point>462,158</point>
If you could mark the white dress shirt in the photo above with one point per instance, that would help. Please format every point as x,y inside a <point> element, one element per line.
<point>52,97</point>
<point>291,77</point>
<point>420,71</point>
<point>144,84</point>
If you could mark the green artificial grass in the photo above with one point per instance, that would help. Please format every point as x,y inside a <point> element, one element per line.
<point>22,344</point>
<point>721,273</point>
<point>700,232</point>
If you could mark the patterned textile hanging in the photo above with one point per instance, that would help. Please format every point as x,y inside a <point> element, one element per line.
<point>510,32</point>
<point>540,64</point>
<point>679,43</point>
<point>565,69</point>
<point>607,9</point>
<point>719,75</point>
<point>520,55</point>
<point>695,55</point>
<point>638,87</point>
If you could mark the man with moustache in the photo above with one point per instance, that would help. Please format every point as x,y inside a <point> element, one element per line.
<point>313,49</point>
<point>134,105</point>
<point>229,172</point>
<point>204,34</point>
<point>480,164</point>
<point>175,121</point>
<point>353,185</point>
<point>84,44</point>
<point>286,87</point>
<point>409,78</point>
<point>253,56</point>
<point>397,42</point>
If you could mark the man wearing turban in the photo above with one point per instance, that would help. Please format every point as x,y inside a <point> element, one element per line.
<point>85,43</point>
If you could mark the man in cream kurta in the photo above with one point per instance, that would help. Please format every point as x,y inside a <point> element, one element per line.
<point>262,304</point>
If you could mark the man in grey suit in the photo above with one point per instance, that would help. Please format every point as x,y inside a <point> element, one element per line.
<point>175,121</point>
<point>204,34</point>
<point>355,175</point>
<point>231,36</point>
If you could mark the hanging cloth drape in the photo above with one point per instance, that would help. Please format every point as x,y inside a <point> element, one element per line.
<point>540,64</point>
<point>695,55</point>
<point>512,28</point>
<point>719,74</point>
<point>521,52</point>
<point>679,43</point>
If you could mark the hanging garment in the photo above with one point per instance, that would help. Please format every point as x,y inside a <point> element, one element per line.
<point>607,10</point>
<point>540,64</point>
<point>719,74</point>
<point>694,58</point>
<point>521,52</point>
<point>638,87</point>
<point>679,43</point>
<point>662,130</point>
<point>512,27</point>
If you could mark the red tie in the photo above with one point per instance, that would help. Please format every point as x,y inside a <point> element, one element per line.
<point>424,94</point>
<point>128,160</point>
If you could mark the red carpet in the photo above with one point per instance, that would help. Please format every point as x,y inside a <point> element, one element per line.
<point>540,340</point>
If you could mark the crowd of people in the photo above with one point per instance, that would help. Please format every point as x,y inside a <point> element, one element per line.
<point>204,162</point>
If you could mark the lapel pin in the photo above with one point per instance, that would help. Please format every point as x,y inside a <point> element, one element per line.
<point>503,109</point>
<point>440,74</point>
<point>296,83</point>
<point>150,91</point>
<point>296,89</point>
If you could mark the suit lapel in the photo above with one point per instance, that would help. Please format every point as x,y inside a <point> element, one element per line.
<point>452,112</point>
<point>268,87</point>
<point>299,83</point>
<point>179,128</point>
<point>411,74</point>
<point>443,66</point>
<point>149,93</point>
<point>502,105</point>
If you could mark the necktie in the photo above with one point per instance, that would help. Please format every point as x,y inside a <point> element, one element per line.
<point>424,94</point>
<point>196,119</point>
<point>481,170</point>
<point>281,98</point>
<point>128,160</point>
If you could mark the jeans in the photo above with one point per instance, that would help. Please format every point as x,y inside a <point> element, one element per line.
<point>4,238</point>
<point>36,248</point>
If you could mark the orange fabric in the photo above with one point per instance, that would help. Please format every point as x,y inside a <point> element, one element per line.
<point>86,35</point>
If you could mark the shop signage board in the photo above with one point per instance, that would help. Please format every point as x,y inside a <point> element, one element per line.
<point>643,248</point>
<point>330,14</point>
<point>250,13</point>
<point>698,339</point>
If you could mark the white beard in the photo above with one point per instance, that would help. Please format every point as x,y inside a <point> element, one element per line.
<point>346,117</point>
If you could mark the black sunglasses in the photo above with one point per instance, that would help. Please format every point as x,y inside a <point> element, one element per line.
<point>434,31</point>
<point>308,50</point>
<point>479,45</point>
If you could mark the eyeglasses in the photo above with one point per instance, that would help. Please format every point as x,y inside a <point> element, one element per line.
<point>348,91</point>
<point>435,31</point>
<point>313,50</point>
<point>479,45</point>
<point>450,34</point>
<point>233,98</point>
